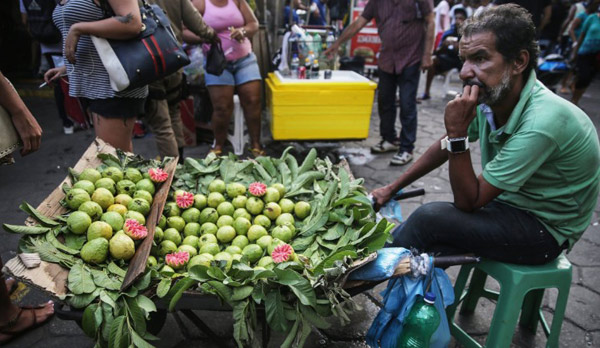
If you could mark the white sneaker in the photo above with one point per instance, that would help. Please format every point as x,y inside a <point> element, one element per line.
<point>384,146</point>
<point>68,130</point>
<point>401,158</point>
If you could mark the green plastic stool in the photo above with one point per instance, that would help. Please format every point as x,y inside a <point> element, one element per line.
<point>521,290</point>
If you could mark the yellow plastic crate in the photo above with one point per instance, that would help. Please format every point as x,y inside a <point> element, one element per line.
<point>320,109</point>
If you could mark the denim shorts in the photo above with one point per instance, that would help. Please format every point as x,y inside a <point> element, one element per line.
<point>236,72</point>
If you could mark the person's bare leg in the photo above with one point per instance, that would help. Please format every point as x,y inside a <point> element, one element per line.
<point>565,82</point>
<point>9,311</point>
<point>115,131</point>
<point>577,94</point>
<point>221,98</point>
<point>431,75</point>
<point>250,99</point>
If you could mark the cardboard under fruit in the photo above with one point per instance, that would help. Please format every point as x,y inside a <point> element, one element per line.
<point>52,277</point>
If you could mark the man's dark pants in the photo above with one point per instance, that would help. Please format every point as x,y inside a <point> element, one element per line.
<point>497,231</point>
<point>408,82</point>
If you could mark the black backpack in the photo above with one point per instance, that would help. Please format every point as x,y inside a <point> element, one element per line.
<point>39,19</point>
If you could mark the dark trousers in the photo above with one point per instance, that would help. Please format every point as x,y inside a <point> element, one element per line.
<point>496,231</point>
<point>408,82</point>
<point>59,97</point>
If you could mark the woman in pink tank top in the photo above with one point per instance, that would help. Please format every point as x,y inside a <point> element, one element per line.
<point>235,23</point>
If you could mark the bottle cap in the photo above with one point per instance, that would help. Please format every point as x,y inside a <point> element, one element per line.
<point>430,297</point>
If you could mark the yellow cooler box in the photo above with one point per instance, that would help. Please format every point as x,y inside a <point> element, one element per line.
<point>336,108</point>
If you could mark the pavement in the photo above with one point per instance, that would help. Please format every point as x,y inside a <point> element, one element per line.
<point>33,177</point>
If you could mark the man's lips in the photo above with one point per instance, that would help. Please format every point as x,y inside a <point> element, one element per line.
<point>473,83</point>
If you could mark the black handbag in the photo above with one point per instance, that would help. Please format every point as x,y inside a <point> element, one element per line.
<point>154,54</point>
<point>215,59</point>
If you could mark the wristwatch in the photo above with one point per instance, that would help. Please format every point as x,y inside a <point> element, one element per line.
<point>455,145</point>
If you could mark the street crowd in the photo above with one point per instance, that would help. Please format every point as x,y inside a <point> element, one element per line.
<point>540,152</point>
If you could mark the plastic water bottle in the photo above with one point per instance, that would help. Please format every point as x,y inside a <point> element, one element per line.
<point>315,70</point>
<point>294,65</point>
<point>317,44</point>
<point>308,67</point>
<point>330,39</point>
<point>420,324</point>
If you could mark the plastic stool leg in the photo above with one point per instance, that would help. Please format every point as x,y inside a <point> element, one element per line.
<point>459,287</point>
<point>476,289</point>
<point>237,139</point>
<point>505,317</point>
<point>531,309</point>
<point>559,315</point>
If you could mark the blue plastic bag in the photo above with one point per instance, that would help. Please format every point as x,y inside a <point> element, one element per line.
<point>398,299</point>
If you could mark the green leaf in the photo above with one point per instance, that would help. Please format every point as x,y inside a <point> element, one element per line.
<point>358,199</point>
<point>146,304</point>
<point>309,161</point>
<point>26,229</point>
<point>274,311</point>
<point>143,282</point>
<point>136,313</point>
<point>344,182</point>
<point>34,213</point>
<point>314,318</point>
<point>286,175</point>
<point>302,243</point>
<point>241,292</point>
<point>138,341</point>
<point>177,291</point>
<point>328,262</point>
<point>299,285</point>
<point>267,164</point>
<point>114,269</point>
<point>75,241</point>
<point>80,280</point>
<point>291,335</point>
<point>82,301</point>
<point>334,233</point>
<point>314,226</point>
<point>89,322</point>
<point>118,338</point>
<point>216,273</point>
<point>101,279</point>
<point>106,298</point>
<point>163,287</point>
<point>199,273</point>
<point>292,164</point>
<point>375,243</point>
<point>60,246</point>
<point>222,290</point>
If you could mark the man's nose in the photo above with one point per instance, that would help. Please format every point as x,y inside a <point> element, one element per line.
<point>466,72</point>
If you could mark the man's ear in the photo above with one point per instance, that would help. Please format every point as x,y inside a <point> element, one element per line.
<point>521,62</point>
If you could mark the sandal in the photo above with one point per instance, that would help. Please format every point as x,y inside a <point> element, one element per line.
<point>7,329</point>
<point>216,152</point>
<point>256,152</point>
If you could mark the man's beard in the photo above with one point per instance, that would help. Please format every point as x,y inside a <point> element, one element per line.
<point>492,95</point>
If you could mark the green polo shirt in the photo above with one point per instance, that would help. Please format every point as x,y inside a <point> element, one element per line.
<point>546,158</point>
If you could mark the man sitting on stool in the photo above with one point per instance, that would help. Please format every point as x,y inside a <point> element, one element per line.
<point>539,153</point>
<point>445,57</point>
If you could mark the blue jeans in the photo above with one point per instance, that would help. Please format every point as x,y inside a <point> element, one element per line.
<point>497,231</point>
<point>408,82</point>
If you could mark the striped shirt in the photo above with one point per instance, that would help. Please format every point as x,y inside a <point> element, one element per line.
<point>87,77</point>
<point>401,27</point>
